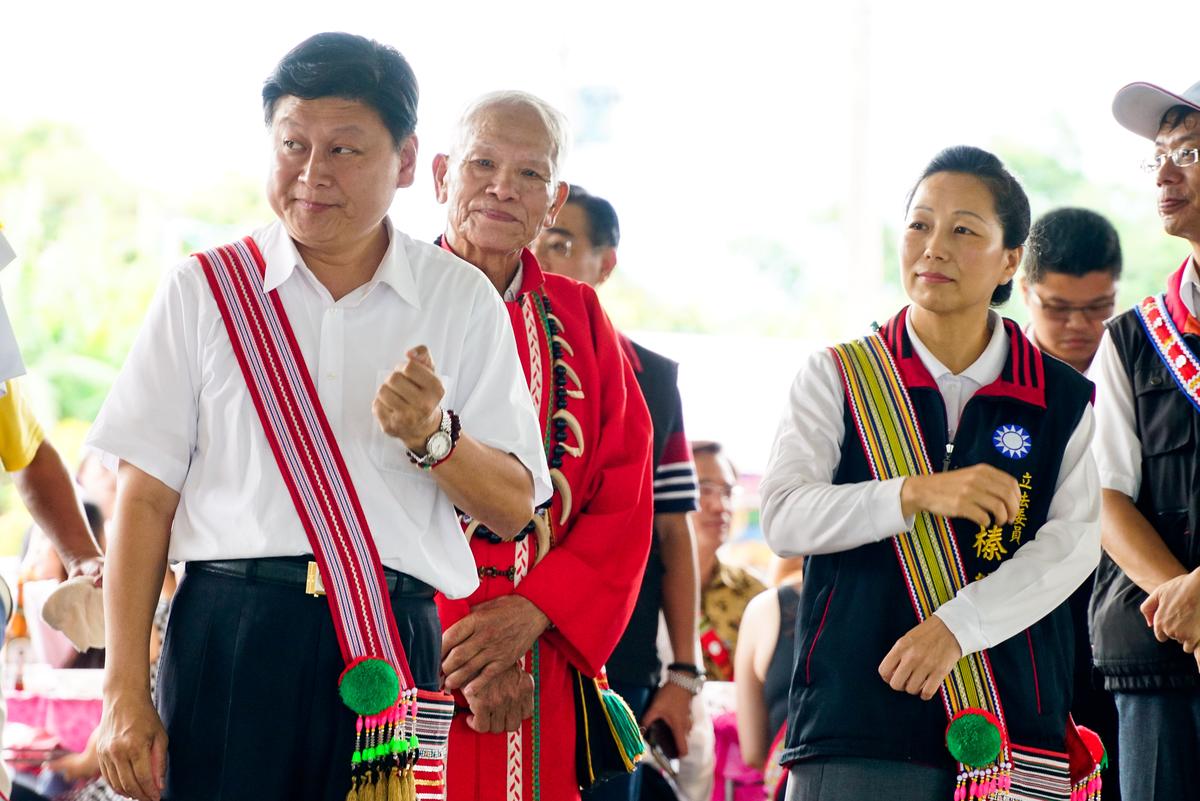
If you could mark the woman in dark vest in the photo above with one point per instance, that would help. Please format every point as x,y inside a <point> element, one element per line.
<point>947,509</point>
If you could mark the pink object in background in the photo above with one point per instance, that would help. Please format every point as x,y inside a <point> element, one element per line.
<point>71,720</point>
<point>733,779</point>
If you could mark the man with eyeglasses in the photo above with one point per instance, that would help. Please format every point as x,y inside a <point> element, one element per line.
<point>1146,602</point>
<point>725,589</point>
<point>582,244</point>
<point>1069,282</point>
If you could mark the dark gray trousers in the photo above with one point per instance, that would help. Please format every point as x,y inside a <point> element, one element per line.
<point>1160,745</point>
<point>850,779</point>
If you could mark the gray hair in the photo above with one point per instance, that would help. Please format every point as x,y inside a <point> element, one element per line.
<point>554,120</point>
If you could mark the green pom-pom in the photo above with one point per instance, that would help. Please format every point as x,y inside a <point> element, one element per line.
<point>368,754</point>
<point>369,686</point>
<point>413,743</point>
<point>357,758</point>
<point>399,745</point>
<point>973,740</point>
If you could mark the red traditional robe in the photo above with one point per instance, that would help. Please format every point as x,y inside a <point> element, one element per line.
<point>599,529</point>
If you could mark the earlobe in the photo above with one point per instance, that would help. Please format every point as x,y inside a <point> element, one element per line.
<point>560,197</point>
<point>408,163</point>
<point>440,167</point>
<point>608,263</point>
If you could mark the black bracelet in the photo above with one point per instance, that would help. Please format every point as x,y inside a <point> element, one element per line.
<point>684,667</point>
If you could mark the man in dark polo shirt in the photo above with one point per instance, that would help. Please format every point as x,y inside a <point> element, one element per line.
<point>1146,604</point>
<point>582,245</point>
<point>1069,284</point>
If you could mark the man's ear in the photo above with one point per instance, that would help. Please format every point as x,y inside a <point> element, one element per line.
<point>408,163</point>
<point>608,263</point>
<point>560,197</point>
<point>441,165</point>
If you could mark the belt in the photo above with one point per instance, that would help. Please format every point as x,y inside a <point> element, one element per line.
<point>302,573</point>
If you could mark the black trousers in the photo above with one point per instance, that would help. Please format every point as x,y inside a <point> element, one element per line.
<point>247,690</point>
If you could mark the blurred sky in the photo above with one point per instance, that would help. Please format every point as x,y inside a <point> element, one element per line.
<point>706,124</point>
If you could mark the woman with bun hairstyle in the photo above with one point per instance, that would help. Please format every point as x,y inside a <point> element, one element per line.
<point>936,477</point>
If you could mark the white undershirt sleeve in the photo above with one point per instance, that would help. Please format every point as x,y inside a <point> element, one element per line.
<point>802,511</point>
<point>1117,449</point>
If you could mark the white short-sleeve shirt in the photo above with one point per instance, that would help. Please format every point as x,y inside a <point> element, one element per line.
<point>180,409</point>
<point>1118,450</point>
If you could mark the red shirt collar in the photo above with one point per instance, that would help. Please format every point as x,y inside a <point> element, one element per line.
<point>1022,377</point>
<point>531,272</point>
<point>1178,311</point>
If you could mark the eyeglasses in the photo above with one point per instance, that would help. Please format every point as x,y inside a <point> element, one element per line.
<point>717,489</point>
<point>1061,312</point>
<point>1180,157</point>
<point>555,245</point>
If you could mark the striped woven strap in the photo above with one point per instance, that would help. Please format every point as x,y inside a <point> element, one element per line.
<point>928,553</point>
<point>1168,343</point>
<point>307,455</point>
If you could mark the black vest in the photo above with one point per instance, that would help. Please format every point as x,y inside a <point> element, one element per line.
<point>1168,427</point>
<point>634,660</point>
<point>854,605</point>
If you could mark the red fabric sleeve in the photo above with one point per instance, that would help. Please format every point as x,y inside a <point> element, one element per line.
<point>587,584</point>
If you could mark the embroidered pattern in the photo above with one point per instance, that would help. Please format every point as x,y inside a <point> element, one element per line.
<point>1168,343</point>
<point>536,386</point>
<point>989,543</point>
<point>1012,441</point>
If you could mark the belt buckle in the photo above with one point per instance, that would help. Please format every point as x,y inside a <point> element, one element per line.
<point>312,584</point>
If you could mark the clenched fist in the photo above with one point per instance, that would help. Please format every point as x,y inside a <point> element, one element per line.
<point>407,405</point>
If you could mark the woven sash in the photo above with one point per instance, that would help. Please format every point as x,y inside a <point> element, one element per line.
<point>1168,343</point>
<point>377,683</point>
<point>928,553</point>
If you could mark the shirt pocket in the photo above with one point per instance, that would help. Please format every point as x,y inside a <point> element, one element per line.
<point>1165,428</point>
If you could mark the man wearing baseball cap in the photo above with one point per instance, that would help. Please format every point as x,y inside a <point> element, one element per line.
<point>1145,611</point>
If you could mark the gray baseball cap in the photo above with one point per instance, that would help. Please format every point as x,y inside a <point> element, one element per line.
<point>1140,106</point>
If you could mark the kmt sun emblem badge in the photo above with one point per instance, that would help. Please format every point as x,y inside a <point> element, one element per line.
<point>1012,441</point>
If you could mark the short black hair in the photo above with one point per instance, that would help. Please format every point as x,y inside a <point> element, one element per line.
<point>704,447</point>
<point>1012,204</point>
<point>351,67</point>
<point>1173,117</point>
<point>1072,241</point>
<point>604,229</point>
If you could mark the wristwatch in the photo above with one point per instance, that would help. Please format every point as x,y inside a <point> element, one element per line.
<point>689,677</point>
<point>440,443</point>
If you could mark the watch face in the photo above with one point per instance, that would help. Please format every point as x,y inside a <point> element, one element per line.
<point>438,445</point>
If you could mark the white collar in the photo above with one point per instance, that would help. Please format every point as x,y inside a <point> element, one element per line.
<point>514,286</point>
<point>394,270</point>
<point>1189,287</point>
<point>982,371</point>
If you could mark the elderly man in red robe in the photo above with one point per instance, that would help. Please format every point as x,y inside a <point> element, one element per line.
<point>561,595</point>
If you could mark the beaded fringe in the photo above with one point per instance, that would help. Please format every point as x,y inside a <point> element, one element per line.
<point>385,750</point>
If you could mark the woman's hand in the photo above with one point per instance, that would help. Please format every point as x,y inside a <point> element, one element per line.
<point>920,660</point>
<point>981,493</point>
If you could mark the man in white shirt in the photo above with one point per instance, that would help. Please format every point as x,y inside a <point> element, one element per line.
<point>1145,614</point>
<point>394,335</point>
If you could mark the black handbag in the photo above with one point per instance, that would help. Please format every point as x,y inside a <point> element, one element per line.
<point>608,742</point>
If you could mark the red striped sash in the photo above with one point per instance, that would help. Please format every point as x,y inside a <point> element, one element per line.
<point>377,683</point>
